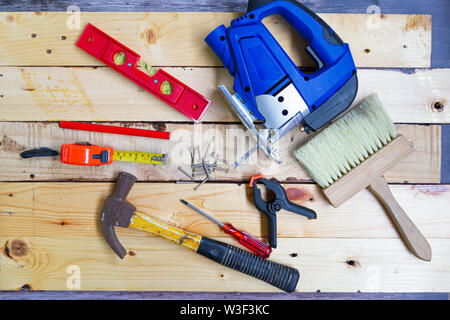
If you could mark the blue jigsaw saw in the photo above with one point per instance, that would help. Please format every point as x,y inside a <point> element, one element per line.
<point>269,87</point>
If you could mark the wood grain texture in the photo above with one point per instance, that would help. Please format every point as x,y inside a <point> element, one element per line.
<point>176,38</point>
<point>228,141</point>
<point>89,94</point>
<point>369,265</point>
<point>438,9</point>
<point>55,210</point>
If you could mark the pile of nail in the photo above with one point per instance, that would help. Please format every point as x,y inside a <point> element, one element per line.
<point>201,167</point>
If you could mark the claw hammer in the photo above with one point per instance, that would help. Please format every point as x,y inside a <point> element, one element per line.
<point>119,212</point>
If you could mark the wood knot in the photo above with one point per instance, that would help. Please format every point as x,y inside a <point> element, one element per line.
<point>353,263</point>
<point>17,248</point>
<point>367,50</point>
<point>131,253</point>
<point>149,34</point>
<point>293,255</point>
<point>10,18</point>
<point>438,105</point>
<point>25,287</point>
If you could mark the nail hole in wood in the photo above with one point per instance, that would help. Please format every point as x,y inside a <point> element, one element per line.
<point>26,287</point>
<point>439,106</point>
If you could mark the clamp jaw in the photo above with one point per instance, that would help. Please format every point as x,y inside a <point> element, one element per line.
<point>270,208</point>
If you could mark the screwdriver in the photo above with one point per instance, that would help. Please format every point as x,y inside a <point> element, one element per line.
<point>259,247</point>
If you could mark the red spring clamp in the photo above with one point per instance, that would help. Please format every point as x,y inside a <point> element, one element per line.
<point>156,81</point>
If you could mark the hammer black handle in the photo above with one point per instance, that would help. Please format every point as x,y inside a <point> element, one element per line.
<point>278,275</point>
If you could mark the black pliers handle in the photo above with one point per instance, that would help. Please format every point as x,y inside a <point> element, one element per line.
<point>270,208</point>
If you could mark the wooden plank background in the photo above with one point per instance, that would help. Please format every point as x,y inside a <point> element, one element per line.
<point>439,9</point>
<point>88,94</point>
<point>44,218</point>
<point>176,39</point>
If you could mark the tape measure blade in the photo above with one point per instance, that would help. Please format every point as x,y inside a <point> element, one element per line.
<point>139,157</point>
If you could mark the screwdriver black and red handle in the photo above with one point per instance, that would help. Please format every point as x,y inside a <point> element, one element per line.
<point>257,246</point>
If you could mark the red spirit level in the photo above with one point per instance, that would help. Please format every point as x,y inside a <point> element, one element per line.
<point>154,80</point>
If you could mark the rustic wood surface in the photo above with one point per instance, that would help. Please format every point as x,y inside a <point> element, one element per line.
<point>422,166</point>
<point>101,94</point>
<point>326,264</point>
<point>439,9</point>
<point>176,39</point>
<point>44,216</point>
<point>60,209</point>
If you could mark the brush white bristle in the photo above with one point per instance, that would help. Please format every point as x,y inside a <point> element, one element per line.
<point>347,142</point>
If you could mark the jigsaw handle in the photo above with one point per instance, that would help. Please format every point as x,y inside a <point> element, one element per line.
<point>326,48</point>
<point>278,275</point>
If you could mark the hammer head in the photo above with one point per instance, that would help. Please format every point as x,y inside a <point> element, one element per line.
<point>118,212</point>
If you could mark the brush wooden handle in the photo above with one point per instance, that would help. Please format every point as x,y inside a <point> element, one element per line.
<point>412,237</point>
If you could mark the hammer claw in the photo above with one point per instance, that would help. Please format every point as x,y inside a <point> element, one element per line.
<point>113,241</point>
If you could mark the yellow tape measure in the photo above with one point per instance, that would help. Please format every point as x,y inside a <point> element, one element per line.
<point>139,157</point>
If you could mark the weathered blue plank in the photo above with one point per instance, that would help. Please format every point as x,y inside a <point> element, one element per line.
<point>145,295</point>
<point>438,9</point>
<point>445,153</point>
